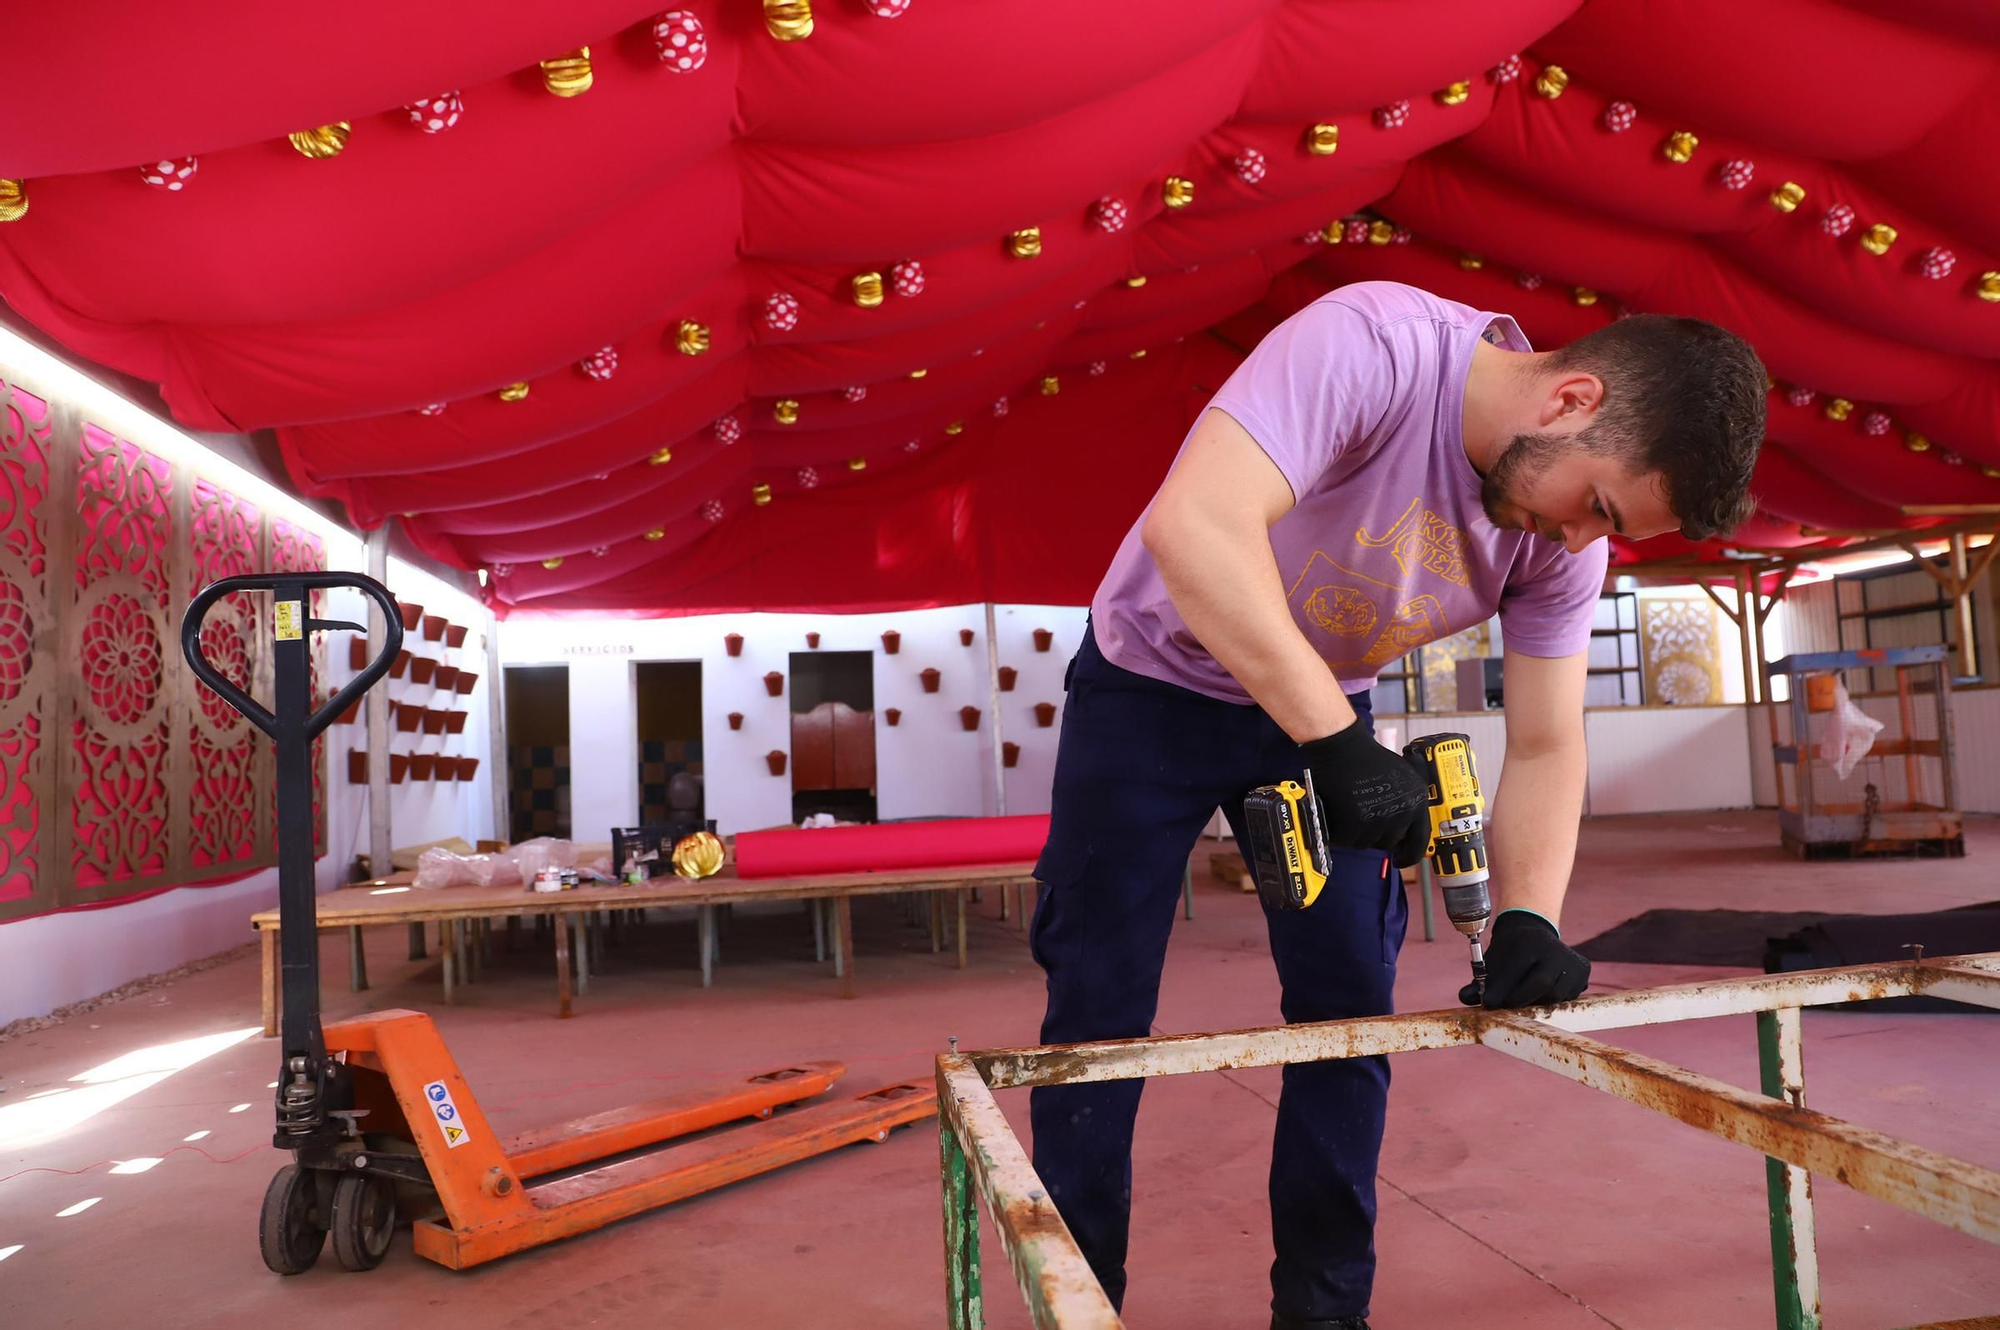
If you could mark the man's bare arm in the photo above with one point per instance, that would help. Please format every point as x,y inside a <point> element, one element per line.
<point>1540,800</point>
<point>1209,533</point>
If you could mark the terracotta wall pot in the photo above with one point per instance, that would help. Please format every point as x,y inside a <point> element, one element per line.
<point>812,640</point>
<point>421,764</point>
<point>733,643</point>
<point>468,767</point>
<point>408,718</point>
<point>466,681</point>
<point>892,642</point>
<point>931,679</point>
<point>965,637</point>
<point>400,666</point>
<point>1045,714</point>
<point>893,716</point>
<point>969,716</point>
<point>775,760</point>
<point>412,613</point>
<point>1010,754</point>
<point>421,669</point>
<point>446,676</point>
<point>774,684</point>
<point>433,627</point>
<point>357,653</point>
<point>433,719</point>
<point>1043,639</point>
<point>1007,676</point>
<point>454,634</point>
<point>357,766</point>
<point>735,720</point>
<point>399,767</point>
<point>454,722</point>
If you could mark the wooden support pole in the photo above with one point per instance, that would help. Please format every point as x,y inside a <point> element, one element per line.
<point>1961,597</point>
<point>1743,616</point>
<point>381,846</point>
<point>993,680</point>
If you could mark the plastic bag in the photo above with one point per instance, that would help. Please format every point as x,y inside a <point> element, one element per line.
<point>509,868</point>
<point>1850,732</point>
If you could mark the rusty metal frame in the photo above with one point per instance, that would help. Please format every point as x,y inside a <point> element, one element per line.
<point>980,1157</point>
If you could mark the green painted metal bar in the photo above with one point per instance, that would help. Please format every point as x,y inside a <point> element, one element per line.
<point>1794,1244</point>
<point>963,1310</point>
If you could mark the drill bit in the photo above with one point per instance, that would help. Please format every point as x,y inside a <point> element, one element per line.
<point>1478,966</point>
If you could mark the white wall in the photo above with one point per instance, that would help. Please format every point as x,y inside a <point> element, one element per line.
<point>928,765</point>
<point>52,960</point>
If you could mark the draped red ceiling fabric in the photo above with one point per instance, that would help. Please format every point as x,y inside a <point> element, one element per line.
<point>916,307</point>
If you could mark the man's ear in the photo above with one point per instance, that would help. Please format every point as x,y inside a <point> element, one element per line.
<point>1574,396</point>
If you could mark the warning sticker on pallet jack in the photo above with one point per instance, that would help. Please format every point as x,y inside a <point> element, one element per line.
<point>439,1096</point>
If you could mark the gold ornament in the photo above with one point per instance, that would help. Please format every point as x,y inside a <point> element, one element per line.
<point>1680,146</point>
<point>1838,408</point>
<point>1177,191</point>
<point>1323,140</point>
<point>786,409</point>
<point>1916,442</point>
<point>788,20</point>
<point>699,855</point>
<point>918,373</point>
<point>1584,296</point>
<point>1990,472</point>
<point>955,428</point>
<point>691,338</point>
<point>1551,81</point>
<point>1136,282</point>
<point>1334,232</point>
<point>1050,385</point>
<point>1140,354</point>
<point>867,289</point>
<point>1454,95</point>
<point>1988,288</point>
<point>552,564</point>
<point>14,200</point>
<point>568,75</point>
<point>857,464</point>
<point>513,392</point>
<point>1877,238</point>
<point>760,495</point>
<point>1471,262</point>
<point>324,142</point>
<point>1788,196</point>
<point>1025,243</point>
<point>1381,232</point>
<point>660,457</point>
<point>657,533</point>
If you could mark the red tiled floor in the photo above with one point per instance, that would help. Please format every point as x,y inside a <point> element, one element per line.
<point>1510,1198</point>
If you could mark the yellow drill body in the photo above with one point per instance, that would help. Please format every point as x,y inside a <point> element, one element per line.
<point>1457,849</point>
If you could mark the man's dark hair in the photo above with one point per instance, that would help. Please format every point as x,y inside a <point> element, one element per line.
<point>1684,398</point>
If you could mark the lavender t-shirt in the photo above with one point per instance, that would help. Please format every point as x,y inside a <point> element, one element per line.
<point>1359,400</point>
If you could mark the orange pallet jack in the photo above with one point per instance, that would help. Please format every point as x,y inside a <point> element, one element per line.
<point>376,1114</point>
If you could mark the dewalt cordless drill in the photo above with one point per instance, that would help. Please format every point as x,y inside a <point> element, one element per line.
<point>1287,839</point>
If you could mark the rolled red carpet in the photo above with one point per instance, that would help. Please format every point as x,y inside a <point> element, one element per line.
<point>887,847</point>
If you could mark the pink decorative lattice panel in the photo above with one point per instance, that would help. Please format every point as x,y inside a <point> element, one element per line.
<point>118,708</point>
<point>296,550</point>
<point>227,759</point>
<point>27,659</point>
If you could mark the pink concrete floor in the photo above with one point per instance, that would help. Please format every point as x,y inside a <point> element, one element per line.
<point>1510,1198</point>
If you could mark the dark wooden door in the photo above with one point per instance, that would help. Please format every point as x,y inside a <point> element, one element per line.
<point>812,749</point>
<point>853,747</point>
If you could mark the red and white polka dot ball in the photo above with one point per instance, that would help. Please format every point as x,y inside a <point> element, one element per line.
<point>1110,214</point>
<point>711,510</point>
<point>781,312</point>
<point>1837,221</point>
<point>808,478</point>
<point>1620,116</point>
<point>908,277</point>
<point>600,365</point>
<point>1393,116</point>
<point>1938,262</point>
<point>170,175</point>
<point>888,8</point>
<point>728,429</point>
<point>678,37</point>
<point>1250,166</point>
<point>434,115</point>
<point>857,393</point>
<point>1738,174</point>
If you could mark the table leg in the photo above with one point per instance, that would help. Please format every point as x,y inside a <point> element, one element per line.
<point>1005,892</point>
<point>936,904</point>
<point>582,949</point>
<point>704,917</point>
<point>269,937</point>
<point>513,931</point>
<point>450,954</point>
<point>819,928</point>
<point>485,943</point>
<point>357,962</point>
<point>562,966</point>
<point>475,961</point>
<point>416,942</point>
<point>844,964</point>
<point>961,894</point>
<point>1021,903</point>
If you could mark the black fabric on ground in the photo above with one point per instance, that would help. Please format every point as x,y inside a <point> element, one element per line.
<point>1734,938</point>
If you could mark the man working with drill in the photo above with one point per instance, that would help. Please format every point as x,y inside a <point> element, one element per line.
<point>1385,469</point>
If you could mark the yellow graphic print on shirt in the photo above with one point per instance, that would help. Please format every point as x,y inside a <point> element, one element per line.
<point>1374,619</point>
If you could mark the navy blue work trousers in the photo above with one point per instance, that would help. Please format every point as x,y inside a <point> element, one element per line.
<point>1141,767</point>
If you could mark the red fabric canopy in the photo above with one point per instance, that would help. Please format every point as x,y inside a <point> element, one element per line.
<point>668,261</point>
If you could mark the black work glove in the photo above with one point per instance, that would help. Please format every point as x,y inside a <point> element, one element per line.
<point>1527,964</point>
<point>1374,799</point>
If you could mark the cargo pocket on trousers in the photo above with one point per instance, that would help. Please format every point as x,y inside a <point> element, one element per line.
<point>1058,871</point>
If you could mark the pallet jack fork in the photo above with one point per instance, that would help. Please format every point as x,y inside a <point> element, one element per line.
<point>376,1114</point>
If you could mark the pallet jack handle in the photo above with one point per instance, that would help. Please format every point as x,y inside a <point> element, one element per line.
<point>309,1087</point>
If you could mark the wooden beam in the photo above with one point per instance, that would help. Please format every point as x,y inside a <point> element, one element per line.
<point>1937,574</point>
<point>1720,603</point>
<point>1950,509</point>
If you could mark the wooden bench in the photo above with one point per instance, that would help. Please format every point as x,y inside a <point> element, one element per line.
<point>453,908</point>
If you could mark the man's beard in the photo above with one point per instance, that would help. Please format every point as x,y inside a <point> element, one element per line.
<point>1525,459</point>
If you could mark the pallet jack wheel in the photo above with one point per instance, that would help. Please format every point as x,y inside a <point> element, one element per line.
<point>364,1220</point>
<point>290,1229</point>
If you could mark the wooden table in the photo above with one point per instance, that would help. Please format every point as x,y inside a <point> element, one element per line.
<point>353,908</point>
